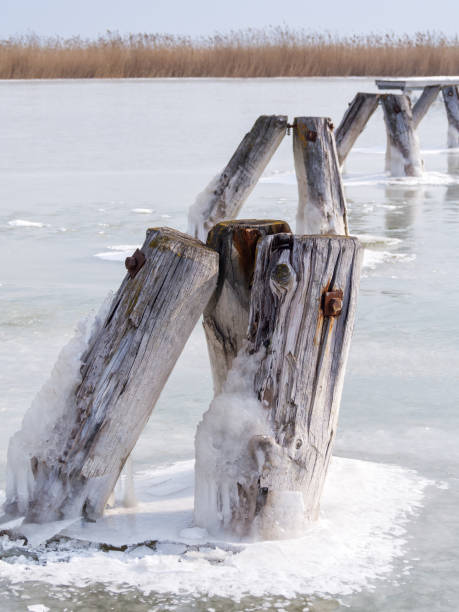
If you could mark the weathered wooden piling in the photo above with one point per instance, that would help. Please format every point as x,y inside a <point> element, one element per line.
<point>403,153</point>
<point>354,121</point>
<point>302,308</point>
<point>321,202</point>
<point>451,99</point>
<point>226,316</point>
<point>424,102</point>
<point>124,370</point>
<point>225,195</point>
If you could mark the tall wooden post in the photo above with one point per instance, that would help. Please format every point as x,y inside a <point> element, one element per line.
<point>451,99</point>
<point>403,151</point>
<point>226,316</point>
<point>74,470</point>
<point>353,122</point>
<point>225,195</point>
<point>302,308</point>
<point>321,202</point>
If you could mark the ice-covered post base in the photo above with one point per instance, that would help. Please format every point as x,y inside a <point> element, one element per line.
<point>353,122</point>
<point>451,99</point>
<point>264,445</point>
<point>403,157</point>
<point>71,469</point>
<point>321,202</point>
<point>227,192</point>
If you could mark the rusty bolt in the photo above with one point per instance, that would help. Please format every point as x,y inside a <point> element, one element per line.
<point>134,262</point>
<point>450,92</point>
<point>333,303</point>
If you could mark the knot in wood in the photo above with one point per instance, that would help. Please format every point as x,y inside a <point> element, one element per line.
<point>281,279</point>
<point>333,303</point>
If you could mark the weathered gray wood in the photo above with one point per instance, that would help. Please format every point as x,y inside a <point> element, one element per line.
<point>403,145</point>
<point>123,372</point>
<point>226,316</point>
<point>299,353</point>
<point>410,83</point>
<point>225,195</point>
<point>353,122</point>
<point>451,99</point>
<point>425,101</point>
<point>321,202</point>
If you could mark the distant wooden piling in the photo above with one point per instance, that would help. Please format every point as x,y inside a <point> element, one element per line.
<point>226,194</point>
<point>302,308</point>
<point>403,153</point>
<point>451,99</point>
<point>354,121</point>
<point>424,102</point>
<point>123,373</point>
<point>321,202</point>
<point>226,316</point>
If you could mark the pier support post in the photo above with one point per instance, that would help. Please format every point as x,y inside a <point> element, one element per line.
<point>226,316</point>
<point>353,122</point>
<point>227,192</point>
<point>127,364</point>
<point>424,102</point>
<point>451,99</point>
<point>321,202</point>
<point>263,474</point>
<point>403,153</point>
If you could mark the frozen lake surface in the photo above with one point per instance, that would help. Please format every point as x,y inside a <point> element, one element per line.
<point>85,168</point>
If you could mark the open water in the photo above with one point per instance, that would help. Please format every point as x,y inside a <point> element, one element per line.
<point>85,168</point>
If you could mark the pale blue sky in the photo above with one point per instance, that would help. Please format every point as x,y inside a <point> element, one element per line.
<point>91,17</point>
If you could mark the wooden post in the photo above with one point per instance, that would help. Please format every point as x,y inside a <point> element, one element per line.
<point>225,195</point>
<point>403,144</point>
<point>321,202</point>
<point>353,122</point>
<point>451,99</point>
<point>226,316</point>
<point>123,372</point>
<point>302,308</point>
<point>425,101</point>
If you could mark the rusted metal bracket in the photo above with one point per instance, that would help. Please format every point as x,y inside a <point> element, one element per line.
<point>134,263</point>
<point>333,303</point>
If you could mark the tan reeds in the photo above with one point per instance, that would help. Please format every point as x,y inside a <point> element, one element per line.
<point>250,53</point>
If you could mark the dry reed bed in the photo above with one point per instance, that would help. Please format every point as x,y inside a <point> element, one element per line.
<point>251,53</point>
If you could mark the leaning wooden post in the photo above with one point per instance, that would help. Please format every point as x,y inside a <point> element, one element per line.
<point>321,202</point>
<point>353,122</point>
<point>126,366</point>
<point>264,445</point>
<point>403,145</point>
<point>226,193</point>
<point>451,99</point>
<point>424,102</point>
<point>226,316</point>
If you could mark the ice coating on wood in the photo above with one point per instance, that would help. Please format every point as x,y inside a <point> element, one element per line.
<point>123,371</point>
<point>227,192</point>
<point>266,476</point>
<point>46,423</point>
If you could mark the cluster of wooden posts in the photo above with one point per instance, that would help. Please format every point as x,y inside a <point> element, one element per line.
<point>286,299</point>
<point>403,157</point>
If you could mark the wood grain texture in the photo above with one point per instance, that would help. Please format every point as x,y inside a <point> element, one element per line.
<point>300,356</point>
<point>403,154</point>
<point>123,373</point>
<point>451,100</point>
<point>232,187</point>
<point>354,121</point>
<point>321,202</point>
<point>424,102</point>
<point>226,316</point>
